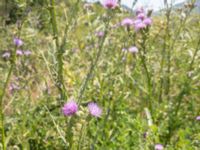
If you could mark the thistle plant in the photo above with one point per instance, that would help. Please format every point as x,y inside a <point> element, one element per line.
<point>112,79</point>
<point>60,46</point>
<point>17,42</point>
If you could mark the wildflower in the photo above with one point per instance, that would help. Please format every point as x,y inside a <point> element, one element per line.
<point>141,16</point>
<point>133,49</point>
<point>6,55</point>
<point>94,109</point>
<point>137,21</point>
<point>19,52</point>
<point>27,53</point>
<point>139,26</point>
<point>13,87</point>
<point>18,42</point>
<point>198,118</point>
<point>100,34</point>
<point>147,21</point>
<point>110,4</point>
<point>70,108</point>
<point>158,147</point>
<point>127,22</point>
<point>139,10</point>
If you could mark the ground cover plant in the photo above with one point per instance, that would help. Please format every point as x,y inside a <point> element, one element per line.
<point>76,75</point>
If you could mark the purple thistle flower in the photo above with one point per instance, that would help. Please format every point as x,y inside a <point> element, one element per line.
<point>110,4</point>
<point>139,26</point>
<point>133,49</point>
<point>159,147</point>
<point>141,16</point>
<point>100,34</point>
<point>27,53</point>
<point>70,108</point>
<point>127,22</point>
<point>139,10</point>
<point>94,109</point>
<point>147,21</point>
<point>198,118</point>
<point>18,42</point>
<point>6,55</point>
<point>137,21</point>
<point>13,87</point>
<point>19,52</point>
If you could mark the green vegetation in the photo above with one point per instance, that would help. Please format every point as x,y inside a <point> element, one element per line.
<point>148,97</point>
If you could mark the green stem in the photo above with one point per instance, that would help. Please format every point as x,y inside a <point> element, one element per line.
<point>92,66</point>
<point>143,60</point>
<point>185,90</point>
<point>166,39</point>
<point>1,107</point>
<point>13,59</point>
<point>59,52</point>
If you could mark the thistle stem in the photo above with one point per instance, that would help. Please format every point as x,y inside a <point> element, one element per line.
<point>93,65</point>
<point>13,59</point>
<point>59,52</point>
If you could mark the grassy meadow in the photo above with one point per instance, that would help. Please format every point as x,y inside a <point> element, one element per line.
<point>143,80</point>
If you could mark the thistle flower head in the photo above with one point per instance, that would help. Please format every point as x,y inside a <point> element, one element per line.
<point>147,21</point>
<point>133,49</point>
<point>70,108</point>
<point>94,109</point>
<point>13,87</point>
<point>139,10</point>
<point>141,16</point>
<point>127,22</point>
<point>18,42</point>
<point>198,118</point>
<point>159,147</point>
<point>100,34</point>
<point>139,26</point>
<point>27,53</point>
<point>110,4</point>
<point>19,52</point>
<point>6,54</point>
<point>137,21</point>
